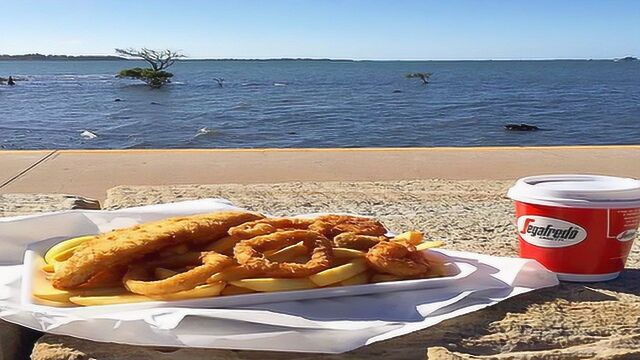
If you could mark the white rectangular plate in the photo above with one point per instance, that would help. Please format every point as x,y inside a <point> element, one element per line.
<point>33,275</point>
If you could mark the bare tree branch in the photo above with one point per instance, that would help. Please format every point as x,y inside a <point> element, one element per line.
<point>158,59</point>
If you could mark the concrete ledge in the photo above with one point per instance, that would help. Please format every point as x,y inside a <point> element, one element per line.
<point>91,172</point>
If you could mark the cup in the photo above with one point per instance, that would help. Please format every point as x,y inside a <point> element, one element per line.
<point>581,227</point>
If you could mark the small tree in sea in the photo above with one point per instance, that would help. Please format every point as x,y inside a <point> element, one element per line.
<point>422,76</point>
<point>155,76</point>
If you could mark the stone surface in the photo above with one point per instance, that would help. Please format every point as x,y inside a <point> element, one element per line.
<point>571,321</point>
<point>16,342</point>
<point>21,204</point>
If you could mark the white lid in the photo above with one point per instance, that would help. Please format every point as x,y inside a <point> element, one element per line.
<point>582,191</point>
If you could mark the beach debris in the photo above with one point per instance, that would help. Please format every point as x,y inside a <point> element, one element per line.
<point>521,127</point>
<point>220,81</point>
<point>88,134</point>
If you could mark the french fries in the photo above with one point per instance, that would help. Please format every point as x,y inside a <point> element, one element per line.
<point>52,254</point>
<point>429,245</point>
<point>48,292</point>
<point>174,250</point>
<point>274,284</point>
<point>384,278</point>
<point>362,278</point>
<point>231,273</point>
<point>344,253</point>
<point>124,298</point>
<point>288,253</point>
<point>207,290</point>
<point>162,273</point>
<point>339,273</point>
<point>412,237</point>
<point>348,267</point>
<point>235,290</point>
<point>224,245</point>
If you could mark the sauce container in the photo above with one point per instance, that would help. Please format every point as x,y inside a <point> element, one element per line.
<point>579,226</point>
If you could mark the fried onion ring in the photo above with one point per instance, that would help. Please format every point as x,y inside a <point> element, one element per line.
<point>356,241</point>
<point>261,227</point>
<point>397,258</point>
<point>212,262</point>
<point>250,253</point>
<point>332,225</point>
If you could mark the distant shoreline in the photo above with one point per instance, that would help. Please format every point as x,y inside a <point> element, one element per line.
<point>41,57</point>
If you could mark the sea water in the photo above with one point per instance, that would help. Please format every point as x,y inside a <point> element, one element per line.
<point>295,103</point>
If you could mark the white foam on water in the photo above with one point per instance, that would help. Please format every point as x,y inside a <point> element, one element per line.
<point>88,134</point>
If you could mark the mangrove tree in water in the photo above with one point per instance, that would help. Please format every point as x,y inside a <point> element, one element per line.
<point>155,76</point>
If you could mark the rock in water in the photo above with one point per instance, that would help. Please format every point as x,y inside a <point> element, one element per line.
<point>521,127</point>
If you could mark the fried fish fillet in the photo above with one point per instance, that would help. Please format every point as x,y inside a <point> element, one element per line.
<point>121,246</point>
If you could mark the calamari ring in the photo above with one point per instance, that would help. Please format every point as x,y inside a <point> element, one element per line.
<point>212,263</point>
<point>261,227</point>
<point>249,253</point>
<point>356,241</point>
<point>397,258</point>
<point>332,225</point>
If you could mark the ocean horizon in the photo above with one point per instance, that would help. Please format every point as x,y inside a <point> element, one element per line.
<point>287,103</point>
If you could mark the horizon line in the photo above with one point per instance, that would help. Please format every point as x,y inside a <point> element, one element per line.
<point>187,58</point>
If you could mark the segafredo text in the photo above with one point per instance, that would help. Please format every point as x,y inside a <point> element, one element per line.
<point>549,232</point>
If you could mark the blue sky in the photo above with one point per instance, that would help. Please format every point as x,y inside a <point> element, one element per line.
<point>352,29</point>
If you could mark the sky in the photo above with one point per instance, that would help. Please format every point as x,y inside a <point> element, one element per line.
<point>338,29</point>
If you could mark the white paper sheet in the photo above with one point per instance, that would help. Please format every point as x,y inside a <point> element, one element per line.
<point>322,325</point>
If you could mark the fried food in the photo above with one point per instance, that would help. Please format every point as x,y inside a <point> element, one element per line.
<point>200,291</point>
<point>235,290</point>
<point>397,258</point>
<point>274,284</point>
<point>162,273</point>
<point>249,253</point>
<point>429,245</point>
<point>106,278</point>
<point>332,225</point>
<point>344,253</point>
<point>235,272</point>
<point>356,241</point>
<point>124,245</point>
<point>289,253</point>
<point>212,263</point>
<point>224,245</point>
<point>231,253</point>
<point>339,273</point>
<point>122,298</point>
<point>359,279</point>
<point>54,253</point>
<point>267,226</point>
<point>411,237</point>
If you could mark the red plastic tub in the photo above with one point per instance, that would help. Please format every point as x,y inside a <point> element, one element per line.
<point>579,226</point>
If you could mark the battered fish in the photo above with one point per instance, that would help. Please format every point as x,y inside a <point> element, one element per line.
<point>124,245</point>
